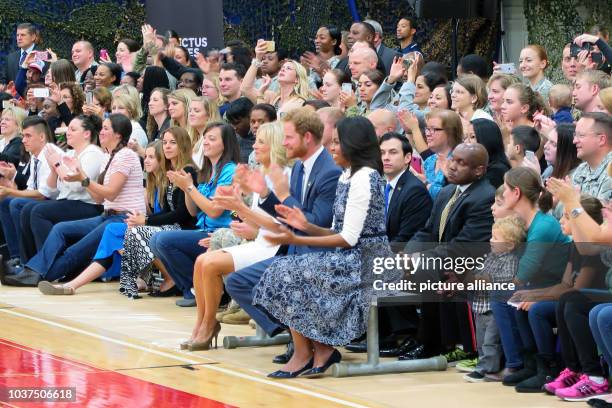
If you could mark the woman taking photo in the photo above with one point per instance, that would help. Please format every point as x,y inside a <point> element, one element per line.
<point>71,245</point>
<point>340,290</point>
<point>101,104</point>
<point>178,250</point>
<point>211,267</point>
<point>158,119</point>
<point>444,131</point>
<point>126,54</point>
<point>201,112</point>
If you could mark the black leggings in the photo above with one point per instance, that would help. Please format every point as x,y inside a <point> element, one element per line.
<point>578,346</point>
<point>108,262</point>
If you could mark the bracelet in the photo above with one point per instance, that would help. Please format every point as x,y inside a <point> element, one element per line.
<point>190,188</point>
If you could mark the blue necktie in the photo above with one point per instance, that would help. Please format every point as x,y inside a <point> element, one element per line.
<point>23,57</point>
<point>300,181</point>
<point>388,189</point>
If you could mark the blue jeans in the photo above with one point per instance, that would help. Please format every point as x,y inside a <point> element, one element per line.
<point>600,320</point>
<point>542,320</point>
<point>70,247</point>
<point>10,216</point>
<point>505,317</point>
<point>178,251</point>
<point>240,285</point>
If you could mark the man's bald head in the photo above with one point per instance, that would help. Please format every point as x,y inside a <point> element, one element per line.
<point>468,163</point>
<point>384,121</point>
<point>361,60</point>
<point>82,55</point>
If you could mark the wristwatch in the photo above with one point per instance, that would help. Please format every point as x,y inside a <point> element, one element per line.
<point>85,182</point>
<point>576,212</point>
<point>256,62</point>
<point>190,188</point>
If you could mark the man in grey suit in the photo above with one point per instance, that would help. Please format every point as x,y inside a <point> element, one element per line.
<point>27,36</point>
<point>385,54</point>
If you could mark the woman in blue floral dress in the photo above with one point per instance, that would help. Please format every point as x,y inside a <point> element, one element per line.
<point>323,297</point>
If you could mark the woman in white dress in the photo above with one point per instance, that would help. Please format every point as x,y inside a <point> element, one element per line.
<point>210,267</point>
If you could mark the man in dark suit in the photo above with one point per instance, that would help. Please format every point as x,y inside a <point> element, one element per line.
<point>312,188</point>
<point>460,218</point>
<point>385,54</point>
<point>27,36</point>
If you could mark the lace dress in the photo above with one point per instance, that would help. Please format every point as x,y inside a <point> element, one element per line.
<point>326,295</point>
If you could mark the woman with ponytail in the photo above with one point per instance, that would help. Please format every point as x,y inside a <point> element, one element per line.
<point>74,201</point>
<point>520,104</point>
<point>71,245</point>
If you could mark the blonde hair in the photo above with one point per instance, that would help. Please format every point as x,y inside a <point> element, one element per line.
<point>214,78</point>
<point>212,110</point>
<point>18,115</point>
<point>184,96</point>
<point>512,228</point>
<point>155,180</point>
<point>505,80</point>
<point>475,86</point>
<point>130,103</point>
<point>126,89</point>
<point>272,135</point>
<point>302,88</point>
<point>451,122</point>
<point>606,99</point>
<point>560,95</point>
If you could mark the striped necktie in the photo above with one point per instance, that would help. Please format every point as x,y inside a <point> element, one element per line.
<point>446,211</point>
<point>36,161</point>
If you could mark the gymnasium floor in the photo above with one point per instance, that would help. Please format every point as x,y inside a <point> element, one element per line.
<point>119,352</point>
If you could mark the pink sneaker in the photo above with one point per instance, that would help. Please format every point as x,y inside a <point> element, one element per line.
<point>583,390</point>
<point>567,378</point>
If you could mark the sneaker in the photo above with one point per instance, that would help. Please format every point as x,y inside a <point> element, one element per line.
<point>499,376</point>
<point>467,366</point>
<point>233,308</point>
<point>567,378</point>
<point>240,317</point>
<point>474,377</point>
<point>456,355</point>
<point>583,390</point>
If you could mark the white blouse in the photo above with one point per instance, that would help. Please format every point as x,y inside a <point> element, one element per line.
<point>357,203</point>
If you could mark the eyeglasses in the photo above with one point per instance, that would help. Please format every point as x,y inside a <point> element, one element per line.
<point>433,129</point>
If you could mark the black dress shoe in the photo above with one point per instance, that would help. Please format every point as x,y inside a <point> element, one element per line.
<point>362,346</point>
<point>319,371</point>
<point>173,291</point>
<point>409,344</point>
<point>415,354</point>
<point>280,374</point>
<point>286,356</point>
<point>26,278</point>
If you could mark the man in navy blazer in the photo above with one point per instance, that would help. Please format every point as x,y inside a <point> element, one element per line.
<point>385,54</point>
<point>312,188</point>
<point>26,36</point>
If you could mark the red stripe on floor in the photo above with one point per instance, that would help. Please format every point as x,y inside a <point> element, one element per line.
<point>21,366</point>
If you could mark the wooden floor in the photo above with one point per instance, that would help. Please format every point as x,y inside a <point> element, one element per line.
<point>139,338</point>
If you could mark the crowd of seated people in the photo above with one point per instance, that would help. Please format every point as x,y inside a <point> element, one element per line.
<point>261,189</point>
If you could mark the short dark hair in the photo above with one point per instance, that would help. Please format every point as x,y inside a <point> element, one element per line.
<point>411,20</point>
<point>40,124</point>
<point>603,121</point>
<point>238,68</point>
<point>132,45</point>
<point>474,64</point>
<point>526,137</point>
<point>369,28</point>
<point>406,147</point>
<point>239,109</point>
<point>436,67</point>
<point>268,109</point>
<point>359,143</point>
<point>115,70</point>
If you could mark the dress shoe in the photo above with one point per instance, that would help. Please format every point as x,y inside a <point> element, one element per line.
<point>173,291</point>
<point>206,344</point>
<point>407,345</point>
<point>26,278</point>
<point>240,317</point>
<point>186,302</point>
<point>416,354</point>
<point>280,374</point>
<point>286,356</point>
<point>362,346</point>
<point>319,371</point>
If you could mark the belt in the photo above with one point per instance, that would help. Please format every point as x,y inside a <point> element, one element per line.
<point>111,212</point>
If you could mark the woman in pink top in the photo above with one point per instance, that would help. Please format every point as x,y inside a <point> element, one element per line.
<point>119,188</point>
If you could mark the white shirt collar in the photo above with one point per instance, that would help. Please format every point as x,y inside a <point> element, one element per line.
<point>309,162</point>
<point>395,179</point>
<point>30,49</point>
<point>463,187</point>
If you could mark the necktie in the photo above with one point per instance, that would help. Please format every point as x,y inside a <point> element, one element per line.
<point>446,211</point>
<point>388,189</point>
<point>23,57</point>
<point>36,173</point>
<point>299,187</point>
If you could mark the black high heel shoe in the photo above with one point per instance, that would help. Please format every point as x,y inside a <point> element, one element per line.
<point>280,374</point>
<point>319,371</point>
<point>173,291</point>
